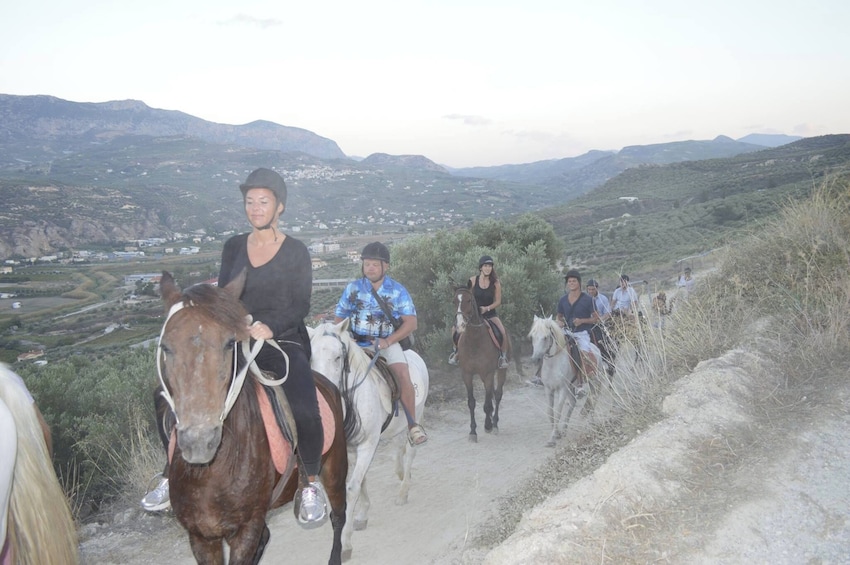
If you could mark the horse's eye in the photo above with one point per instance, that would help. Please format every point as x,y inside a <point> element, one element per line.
<point>165,349</point>
<point>230,343</point>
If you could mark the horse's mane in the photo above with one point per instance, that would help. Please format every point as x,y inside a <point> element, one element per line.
<point>541,326</point>
<point>40,527</point>
<point>218,305</point>
<point>358,361</point>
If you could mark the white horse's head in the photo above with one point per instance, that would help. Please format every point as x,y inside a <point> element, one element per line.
<point>335,353</point>
<point>546,337</point>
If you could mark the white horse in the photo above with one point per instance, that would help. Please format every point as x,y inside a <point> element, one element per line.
<point>337,356</point>
<point>36,525</point>
<point>557,373</point>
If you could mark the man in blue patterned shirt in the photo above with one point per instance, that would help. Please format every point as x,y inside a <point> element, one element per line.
<point>371,327</point>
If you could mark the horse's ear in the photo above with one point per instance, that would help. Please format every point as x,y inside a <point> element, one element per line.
<point>343,325</point>
<point>235,286</point>
<point>311,332</point>
<point>168,289</point>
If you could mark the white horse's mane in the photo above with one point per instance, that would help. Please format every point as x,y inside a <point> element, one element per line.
<point>358,361</point>
<point>542,326</point>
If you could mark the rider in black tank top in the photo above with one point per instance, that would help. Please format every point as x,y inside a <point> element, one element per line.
<point>484,296</point>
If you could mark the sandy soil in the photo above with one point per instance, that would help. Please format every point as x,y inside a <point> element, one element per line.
<point>706,484</point>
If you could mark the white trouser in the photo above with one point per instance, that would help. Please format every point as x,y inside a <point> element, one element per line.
<point>583,341</point>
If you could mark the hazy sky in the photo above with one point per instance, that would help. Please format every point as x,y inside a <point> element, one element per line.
<point>463,82</point>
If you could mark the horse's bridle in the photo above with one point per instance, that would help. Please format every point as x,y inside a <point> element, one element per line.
<point>346,366</point>
<point>461,317</point>
<point>238,379</point>
<point>554,343</point>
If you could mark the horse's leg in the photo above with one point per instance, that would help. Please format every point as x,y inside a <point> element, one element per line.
<point>488,403</point>
<point>206,551</point>
<point>356,500</point>
<point>406,455</point>
<point>470,402</point>
<point>550,413</point>
<point>261,548</point>
<point>501,377</point>
<point>249,542</point>
<point>364,504</point>
<point>568,403</point>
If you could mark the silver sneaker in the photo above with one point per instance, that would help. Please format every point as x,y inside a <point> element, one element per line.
<point>503,362</point>
<point>312,505</point>
<point>453,358</point>
<point>158,498</point>
<point>581,391</point>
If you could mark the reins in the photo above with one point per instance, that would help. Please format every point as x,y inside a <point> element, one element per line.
<point>346,365</point>
<point>482,321</point>
<point>238,380</point>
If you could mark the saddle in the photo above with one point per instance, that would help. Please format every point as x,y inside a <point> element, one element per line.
<point>495,333</point>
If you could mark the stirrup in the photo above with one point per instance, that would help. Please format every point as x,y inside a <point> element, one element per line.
<point>416,435</point>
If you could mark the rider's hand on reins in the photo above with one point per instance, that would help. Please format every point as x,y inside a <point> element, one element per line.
<point>260,331</point>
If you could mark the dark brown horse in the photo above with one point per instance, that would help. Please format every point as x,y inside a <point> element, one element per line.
<point>478,354</point>
<point>221,475</point>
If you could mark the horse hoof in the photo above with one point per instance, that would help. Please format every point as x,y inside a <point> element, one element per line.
<point>360,524</point>
<point>473,438</point>
<point>346,554</point>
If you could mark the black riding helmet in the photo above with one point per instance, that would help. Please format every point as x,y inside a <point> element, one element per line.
<point>376,250</point>
<point>485,260</point>
<point>265,178</point>
<point>573,273</point>
<point>592,282</point>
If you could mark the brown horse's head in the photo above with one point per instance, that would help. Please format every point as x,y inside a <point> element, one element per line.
<point>197,359</point>
<point>466,309</point>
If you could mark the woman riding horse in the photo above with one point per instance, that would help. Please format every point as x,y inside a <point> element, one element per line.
<point>487,290</point>
<point>277,296</point>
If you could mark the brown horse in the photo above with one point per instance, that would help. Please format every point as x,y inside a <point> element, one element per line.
<point>478,354</point>
<point>222,476</point>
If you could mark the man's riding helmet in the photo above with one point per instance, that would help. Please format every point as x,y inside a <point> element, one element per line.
<point>266,178</point>
<point>592,282</point>
<point>573,274</point>
<point>376,250</point>
<point>485,260</point>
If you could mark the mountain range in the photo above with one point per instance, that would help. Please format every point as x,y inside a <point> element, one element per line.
<point>104,173</point>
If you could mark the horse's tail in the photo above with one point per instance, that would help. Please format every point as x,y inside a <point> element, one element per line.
<point>41,528</point>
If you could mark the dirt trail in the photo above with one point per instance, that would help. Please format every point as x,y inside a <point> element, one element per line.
<point>455,485</point>
<point>696,487</point>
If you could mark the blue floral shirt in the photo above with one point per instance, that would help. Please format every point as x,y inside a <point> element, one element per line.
<point>368,320</point>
